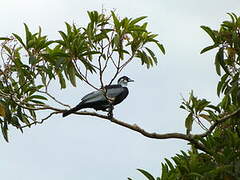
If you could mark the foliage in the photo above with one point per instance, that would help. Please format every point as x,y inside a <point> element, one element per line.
<point>29,65</point>
<point>220,157</point>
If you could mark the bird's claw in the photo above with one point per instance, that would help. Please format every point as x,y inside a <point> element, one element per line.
<point>110,112</point>
<point>110,115</point>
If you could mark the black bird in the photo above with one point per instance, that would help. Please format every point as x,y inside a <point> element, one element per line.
<point>105,98</point>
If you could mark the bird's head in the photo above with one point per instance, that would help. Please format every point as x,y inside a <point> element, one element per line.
<point>123,81</point>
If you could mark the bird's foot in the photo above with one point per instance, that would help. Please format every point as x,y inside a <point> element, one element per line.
<point>110,112</point>
<point>110,115</point>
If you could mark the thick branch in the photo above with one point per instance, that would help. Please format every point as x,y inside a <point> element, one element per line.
<point>188,137</point>
<point>133,127</point>
<point>152,135</point>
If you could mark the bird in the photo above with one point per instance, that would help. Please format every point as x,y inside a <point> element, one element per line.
<point>105,98</point>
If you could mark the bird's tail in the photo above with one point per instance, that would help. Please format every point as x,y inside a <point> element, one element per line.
<point>73,110</point>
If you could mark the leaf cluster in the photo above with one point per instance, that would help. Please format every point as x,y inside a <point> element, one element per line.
<point>199,110</point>
<point>227,59</point>
<point>221,137</point>
<point>223,163</point>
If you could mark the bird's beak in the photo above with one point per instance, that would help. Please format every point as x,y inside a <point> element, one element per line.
<point>130,80</point>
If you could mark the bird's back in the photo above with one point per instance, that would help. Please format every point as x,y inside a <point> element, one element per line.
<point>116,93</point>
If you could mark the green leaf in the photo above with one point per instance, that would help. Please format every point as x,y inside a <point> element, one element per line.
<point>161,47</point>
<point>69,29</point>
<point>221,83</point>
<point>31,98</point>
<point>217,66</point>
<point>134,21</point>
<point>32,60</point>
<point>64,36</point>
<point>165,171</point>
<point>201,105</point>
<point>4,132</point>
<point>72,75</point>
<point>19,113</point>
<point>169,164</point>
<point>182,107</point>
<point>4,39</point>
<point>33,113</point>
<point>28,35</point>
<point>8,49</point>
<point>216,108</point>
<point>220,59</point>
<point>195,175</point>
<point>144,58</point>
<point>146,174</point>
<point>116,21</point>
<point>189,122</point>
<point>61,80</point>
<point>25,120</point>
<point>116,41</point>
<point>38,97</point>
<point>15,122</point>
<point>233,17</point>
<point>19,39</point>
<point>208,48</point>
<point>152,55</point>
<point>225,102</point>
<point>144,26</point>
<point>37,102</point>
<point>147,59</point>
<point>210,33</point>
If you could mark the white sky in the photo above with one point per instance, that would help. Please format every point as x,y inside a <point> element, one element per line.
<point>89,148</point>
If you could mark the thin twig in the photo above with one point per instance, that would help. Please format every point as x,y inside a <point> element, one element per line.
<point>197,119</point>
<point>214,125</point>
<point>113,62</point>
<point>128,61</point>
<point>40,122</point>
<point>109,53</point>
<point>117,70</point>
<point>100,65</point>
<point>84,78</point>
<point>52,97</point>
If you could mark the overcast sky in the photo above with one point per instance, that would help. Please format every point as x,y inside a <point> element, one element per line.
<point>89,148</point>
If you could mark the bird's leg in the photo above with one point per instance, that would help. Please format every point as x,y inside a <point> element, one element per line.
<point>110,111</point>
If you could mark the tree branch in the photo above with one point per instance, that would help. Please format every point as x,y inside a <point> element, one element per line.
<point>128,61</point>
<point>52,97</point>
<point>152,135</point>
<point>192,138</point>
<point>214,125</point>
<point>39,122</point>
<point>133,127</point>
<point>84,78</point>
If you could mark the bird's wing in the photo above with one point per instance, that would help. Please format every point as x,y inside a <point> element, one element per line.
<point>93,95</point>
<point>112,92</point>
